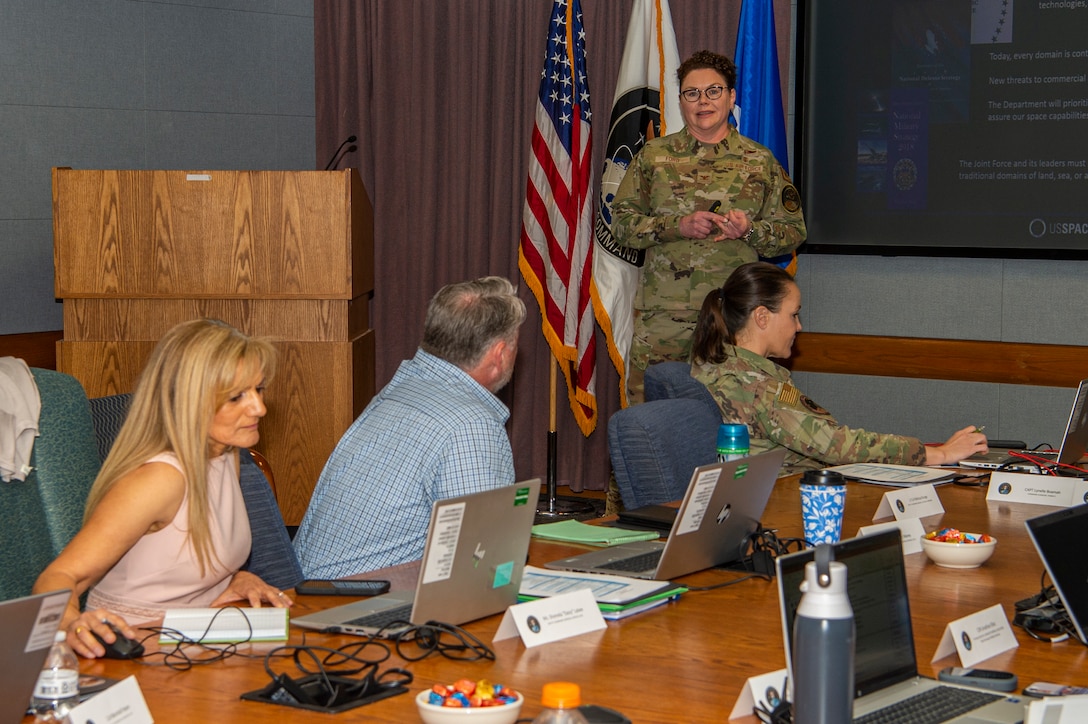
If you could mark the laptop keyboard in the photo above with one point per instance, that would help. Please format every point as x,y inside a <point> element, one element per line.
<point>933,706</point>
<point>381,619</point>
<point>642,562</point>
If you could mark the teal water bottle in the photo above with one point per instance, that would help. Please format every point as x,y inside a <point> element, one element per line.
<point>732,441</point>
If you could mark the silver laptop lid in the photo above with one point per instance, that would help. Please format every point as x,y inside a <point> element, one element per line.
<point>721,508</point>
<point>477,547</point>
<point>26,635</point>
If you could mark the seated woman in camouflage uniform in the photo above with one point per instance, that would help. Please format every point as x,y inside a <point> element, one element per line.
<point>755,315</point>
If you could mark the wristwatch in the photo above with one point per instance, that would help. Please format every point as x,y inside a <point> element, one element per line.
<point>748,234</point>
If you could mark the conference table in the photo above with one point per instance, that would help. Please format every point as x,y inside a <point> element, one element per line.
<point>686,661</point>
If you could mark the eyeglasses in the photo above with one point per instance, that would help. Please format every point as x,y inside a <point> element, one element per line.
<point>713,93</point>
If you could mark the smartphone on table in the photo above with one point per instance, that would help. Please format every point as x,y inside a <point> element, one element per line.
<point>336,587</point>
<point>1043,688</point>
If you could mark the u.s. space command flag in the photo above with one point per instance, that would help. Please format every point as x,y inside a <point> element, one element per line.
<point>646,105</point>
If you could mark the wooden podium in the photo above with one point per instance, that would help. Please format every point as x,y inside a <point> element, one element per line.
<point>284,254</point>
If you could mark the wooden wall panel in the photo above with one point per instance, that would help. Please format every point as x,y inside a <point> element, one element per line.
<point>1048,365</point>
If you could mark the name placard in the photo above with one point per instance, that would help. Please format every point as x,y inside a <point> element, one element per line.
<point>551,619</point>
<point>1038,489</point>
<point>122,703</point>
<point>977,637</point>
<point>917,502</point>
<point>910,530</point>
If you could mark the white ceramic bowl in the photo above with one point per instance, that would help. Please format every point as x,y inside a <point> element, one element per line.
<point>431,714</point>
<point>958,555</point>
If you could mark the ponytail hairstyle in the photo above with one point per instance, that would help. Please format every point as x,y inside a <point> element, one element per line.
<point>726,311</point>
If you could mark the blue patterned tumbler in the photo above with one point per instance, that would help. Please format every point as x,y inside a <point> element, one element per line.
<point>823,502</point>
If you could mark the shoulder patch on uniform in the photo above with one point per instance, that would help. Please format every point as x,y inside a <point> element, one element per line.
<point>813,406</point>
<point>788,395</point>
<point>791,200</point>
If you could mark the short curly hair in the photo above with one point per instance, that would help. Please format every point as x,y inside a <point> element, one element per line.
<point>708,59</point>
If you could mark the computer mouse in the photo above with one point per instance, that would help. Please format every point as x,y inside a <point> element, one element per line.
<point>123,647</point>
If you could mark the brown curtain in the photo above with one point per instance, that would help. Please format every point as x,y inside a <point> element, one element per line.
<point>441,94</point>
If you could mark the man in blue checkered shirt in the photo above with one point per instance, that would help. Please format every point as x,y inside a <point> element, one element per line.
<point>436,431</point>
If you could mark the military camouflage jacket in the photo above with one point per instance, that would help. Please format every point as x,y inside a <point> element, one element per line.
<point>676,175</point>
<point>754,390</point>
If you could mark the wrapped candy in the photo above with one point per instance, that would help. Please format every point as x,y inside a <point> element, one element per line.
<point>469,693</point>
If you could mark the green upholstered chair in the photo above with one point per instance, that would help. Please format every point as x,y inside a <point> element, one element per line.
<point>38,516</point>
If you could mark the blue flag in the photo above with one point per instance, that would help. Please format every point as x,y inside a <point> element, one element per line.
<point>758,109</point>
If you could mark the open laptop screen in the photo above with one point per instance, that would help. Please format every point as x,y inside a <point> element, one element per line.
<point>877,586</point>
<point>1059,537</point>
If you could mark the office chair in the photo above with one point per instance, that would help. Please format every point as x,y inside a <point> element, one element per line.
<point>38,516</point>
<point>673,380</point>
<point>655,446</point>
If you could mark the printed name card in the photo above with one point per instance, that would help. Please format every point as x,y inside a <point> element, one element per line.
<point>551,619</point>
<point>765,691</point>
<point>122,703</point>
<point>917,502</point>
<point>1038,489</point>
<point>910,530</point>
<point>977,637</point>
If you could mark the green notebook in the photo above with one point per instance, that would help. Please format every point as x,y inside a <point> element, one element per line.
<point>575,531</point>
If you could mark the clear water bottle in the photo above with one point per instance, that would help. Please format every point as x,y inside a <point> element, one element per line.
<point>57,689</point>
<point>732,441</point>
<point>823,645</point>
<point>561,700</point>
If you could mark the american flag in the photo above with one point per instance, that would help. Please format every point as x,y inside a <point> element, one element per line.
<point>556,249</point>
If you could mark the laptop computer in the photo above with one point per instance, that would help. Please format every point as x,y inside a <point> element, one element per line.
<point>1058,537</point>
<point>30,623</point>
<point>721,508</point>
<point>472,564</point>
<point>1073,446</point>
<point>885,667</point>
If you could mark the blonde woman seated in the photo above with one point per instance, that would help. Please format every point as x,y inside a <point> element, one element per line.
<point>754,316</point>
<point>165,523</point>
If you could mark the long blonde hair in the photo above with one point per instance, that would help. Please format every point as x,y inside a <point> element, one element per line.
<point>189,376</point>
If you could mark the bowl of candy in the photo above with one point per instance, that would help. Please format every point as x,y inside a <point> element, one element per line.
<point>465,700</point>
<point>952,548</point>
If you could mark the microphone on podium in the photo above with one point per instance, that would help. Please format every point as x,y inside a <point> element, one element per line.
<point>341,152</point>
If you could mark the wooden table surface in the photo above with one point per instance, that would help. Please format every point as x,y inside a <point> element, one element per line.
<point>684,662</point>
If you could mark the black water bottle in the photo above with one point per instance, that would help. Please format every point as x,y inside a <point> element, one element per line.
<point>823,645</point>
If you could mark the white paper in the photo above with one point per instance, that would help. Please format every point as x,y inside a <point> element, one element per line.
<point>122,703</point>
<point>551,619</point>
<point>918,502</point>
<point>977,637</point>
<point>910,530</point>
<point>893,475</point>
<point>1028,488</point>
<point>50,612</point>
<point>447,531</point>
<point>616,590</point>
<point>692,516</point>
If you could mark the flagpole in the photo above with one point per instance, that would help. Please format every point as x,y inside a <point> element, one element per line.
<point>552,509</point>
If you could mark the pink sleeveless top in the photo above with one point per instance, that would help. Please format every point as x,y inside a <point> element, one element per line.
<point>161,571</point>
